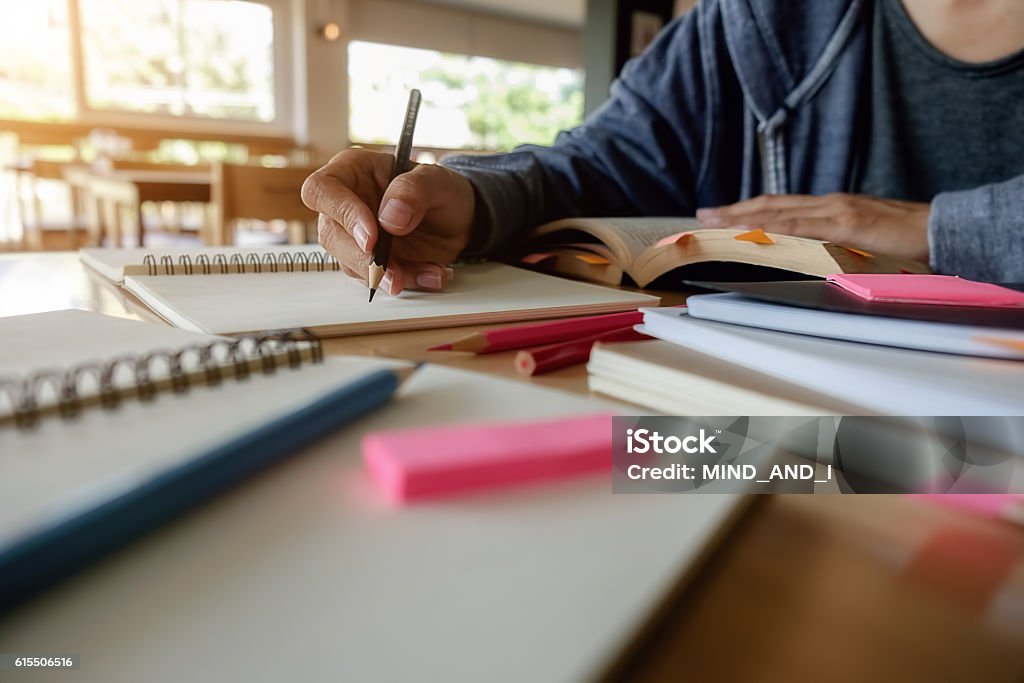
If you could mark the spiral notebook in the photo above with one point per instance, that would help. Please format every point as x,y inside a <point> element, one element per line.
<point>348,576</point>
<point>109,427</point>
<point>242,292</point>
<point>116,264</point>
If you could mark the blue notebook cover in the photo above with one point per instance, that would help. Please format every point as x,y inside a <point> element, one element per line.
<point>37,561</point>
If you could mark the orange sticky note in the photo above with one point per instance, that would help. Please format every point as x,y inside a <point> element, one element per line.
<point>534,259</point>
<point>1015,344</point>
<point>593,259</point>
<point>859,252</point>
<point>677,238</point>
<point>758,236</point>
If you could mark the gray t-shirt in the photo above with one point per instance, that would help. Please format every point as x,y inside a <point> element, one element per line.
<point>937,124</point>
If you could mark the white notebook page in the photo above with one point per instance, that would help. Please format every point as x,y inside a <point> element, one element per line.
<point>331,303</point>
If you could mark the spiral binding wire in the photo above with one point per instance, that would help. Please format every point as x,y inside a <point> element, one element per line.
<point>24,397</point>
<point>252,262</point>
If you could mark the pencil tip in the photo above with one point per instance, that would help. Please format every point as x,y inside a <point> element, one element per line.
<point>372,292</point>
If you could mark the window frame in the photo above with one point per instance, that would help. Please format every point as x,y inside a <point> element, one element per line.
<point>284,111</point>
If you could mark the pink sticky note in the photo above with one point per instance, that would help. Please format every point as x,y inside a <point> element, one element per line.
<point>439,461</point>
<point>677,238</point>
<point>1008,506</point>
<point>927,289</point>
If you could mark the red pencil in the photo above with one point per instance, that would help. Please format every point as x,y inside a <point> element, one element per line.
<point>525,336</point>
<point>547,358</point>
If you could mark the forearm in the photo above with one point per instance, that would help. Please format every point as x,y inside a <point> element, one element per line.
<point>979,233</point>
<point>515,192</point>
<point>636,155</point>
<point>532,185</point>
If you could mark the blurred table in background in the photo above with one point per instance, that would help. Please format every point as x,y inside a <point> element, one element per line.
<point>833,588</point>
<point>108,196</point>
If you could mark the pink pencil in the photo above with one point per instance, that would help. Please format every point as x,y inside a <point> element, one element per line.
<point>525,336</point>
<point>554,356</point>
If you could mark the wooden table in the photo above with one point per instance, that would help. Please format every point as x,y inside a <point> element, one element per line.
<point>107,194</point>
<point>831,588</point>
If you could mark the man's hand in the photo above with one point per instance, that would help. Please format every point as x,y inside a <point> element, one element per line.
<point>885,226</point>
<point>430,208</point>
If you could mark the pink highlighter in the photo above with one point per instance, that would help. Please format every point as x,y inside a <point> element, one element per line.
<point>438,461</point>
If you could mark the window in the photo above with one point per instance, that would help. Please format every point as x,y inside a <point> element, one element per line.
<point>35,78</point>
<point>143,61</point>
<point>207,58</point>
<point>468,102</point>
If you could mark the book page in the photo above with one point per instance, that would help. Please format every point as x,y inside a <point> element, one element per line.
<point>638,234</point>
<point>333,304</point>
<point>627,237</point>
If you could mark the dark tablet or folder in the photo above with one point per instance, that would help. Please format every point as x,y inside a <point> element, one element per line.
<point>822,295</point>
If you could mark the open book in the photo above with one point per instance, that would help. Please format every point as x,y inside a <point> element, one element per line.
<point>613,250</point>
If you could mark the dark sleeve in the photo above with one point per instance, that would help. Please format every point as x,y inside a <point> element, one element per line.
<point>979,233</point>
<point>639,154</point>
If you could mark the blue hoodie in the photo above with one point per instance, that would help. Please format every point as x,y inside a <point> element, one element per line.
<point>735,99</point>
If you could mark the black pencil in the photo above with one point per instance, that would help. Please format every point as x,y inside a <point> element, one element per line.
<point>402,163</point>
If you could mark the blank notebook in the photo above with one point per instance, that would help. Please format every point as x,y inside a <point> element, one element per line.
<point>118,422</point>
<point>332,304</point>
<point>540,583</point>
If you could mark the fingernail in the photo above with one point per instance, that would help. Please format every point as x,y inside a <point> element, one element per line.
<point>362,236</point>
<point>385,282</point>
<point>396,214</point>
<point>449,273</point>
<point>429,279</point>
<point>706,213</point>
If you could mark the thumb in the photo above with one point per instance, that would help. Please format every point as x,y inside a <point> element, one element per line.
<point>411,195</point>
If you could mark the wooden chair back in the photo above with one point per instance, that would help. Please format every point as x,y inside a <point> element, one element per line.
<point>259,193</point>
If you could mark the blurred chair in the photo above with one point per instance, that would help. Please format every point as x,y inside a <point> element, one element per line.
<point>262,194</point>
<point>41,230</point>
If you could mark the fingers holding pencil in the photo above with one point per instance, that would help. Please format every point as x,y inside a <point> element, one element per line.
<point>401,274</point>
<point>343,191</point>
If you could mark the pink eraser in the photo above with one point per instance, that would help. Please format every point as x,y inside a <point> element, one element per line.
<point>437,461</point>
<point>927,289</point>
